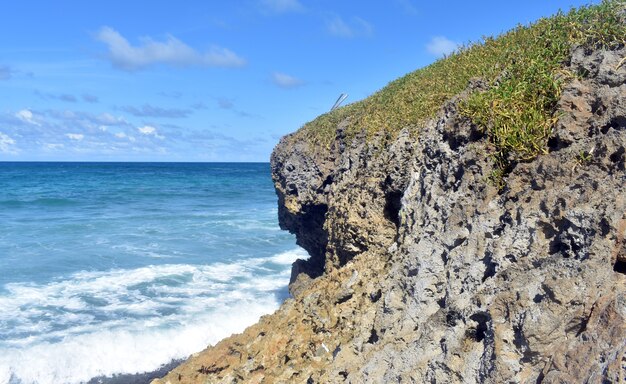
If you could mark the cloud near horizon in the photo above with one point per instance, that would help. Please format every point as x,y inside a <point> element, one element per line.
<point>55,134</point>
<point>85,136</point>
<point>441,46</point>
<point>6,144</point>
<point>171,51</point>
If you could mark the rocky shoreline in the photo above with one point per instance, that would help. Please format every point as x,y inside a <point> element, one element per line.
<point>421,270</point>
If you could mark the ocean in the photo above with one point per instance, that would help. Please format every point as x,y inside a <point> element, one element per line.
<point>110,269</point>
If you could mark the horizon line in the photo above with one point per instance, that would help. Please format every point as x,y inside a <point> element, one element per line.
<point>132,161</point>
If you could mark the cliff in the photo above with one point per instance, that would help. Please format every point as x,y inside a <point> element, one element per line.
<point>437,256</point>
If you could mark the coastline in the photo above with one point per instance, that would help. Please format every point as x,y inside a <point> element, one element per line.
<point>423,269</point>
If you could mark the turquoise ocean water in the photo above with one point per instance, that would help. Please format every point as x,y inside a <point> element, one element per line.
<point>119,268</point>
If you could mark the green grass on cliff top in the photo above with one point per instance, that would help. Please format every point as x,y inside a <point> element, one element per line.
<point>523,70</point>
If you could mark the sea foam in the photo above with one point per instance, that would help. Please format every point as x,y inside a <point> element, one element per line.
<point>131,321</point>
<point>114,269</point>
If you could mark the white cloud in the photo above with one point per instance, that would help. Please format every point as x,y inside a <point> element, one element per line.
<point>6,144</point>
<point>124,142</point>
<point>441,46</point>
<point>123,135</point>
<point>147,130</point>
<point>80,121</point>
<point>286,81</point>
<point>75,136</point>
<point>336,26</point>
<point>282,6</point>
<point>53,146</point>
<point>27,116</point>
<point>172,51</point>
<point>150,131</point>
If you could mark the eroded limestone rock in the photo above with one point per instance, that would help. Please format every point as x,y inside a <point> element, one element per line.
<point>421,271</point>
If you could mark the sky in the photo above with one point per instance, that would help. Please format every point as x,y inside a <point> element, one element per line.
<point>201,80</point>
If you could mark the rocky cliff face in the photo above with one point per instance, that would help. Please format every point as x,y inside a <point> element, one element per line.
<point>422,271</point>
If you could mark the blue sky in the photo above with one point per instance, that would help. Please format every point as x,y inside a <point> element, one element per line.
<point>211,80</point>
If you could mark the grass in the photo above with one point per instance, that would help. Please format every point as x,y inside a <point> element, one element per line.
<point>523,69</point>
